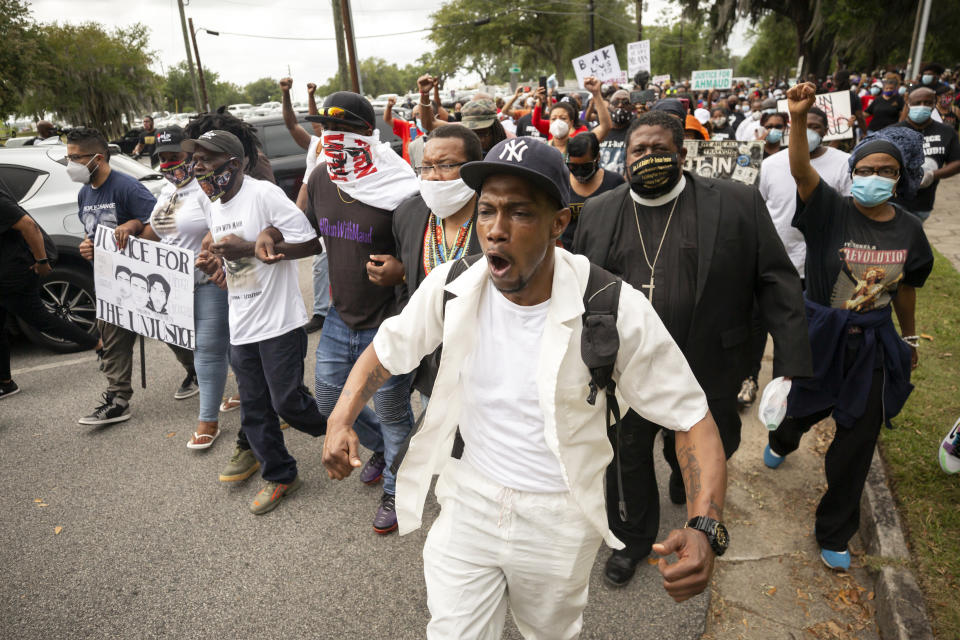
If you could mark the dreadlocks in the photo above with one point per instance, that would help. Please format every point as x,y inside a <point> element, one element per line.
<point>246,132</point>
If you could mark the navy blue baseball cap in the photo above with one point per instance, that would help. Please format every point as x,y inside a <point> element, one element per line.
<point>527,158</point>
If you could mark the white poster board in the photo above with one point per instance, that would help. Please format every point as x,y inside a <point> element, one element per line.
<point>711,79</point>
<point>837,107</point>
<point>147,288</point>
<point>660,79</point>
<point>602,64</point>
<point>638,57</point>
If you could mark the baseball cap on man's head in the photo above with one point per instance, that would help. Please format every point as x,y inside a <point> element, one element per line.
<point>170,139</point>
<point>346,107</point>
<point>478,114</point>
<point>527,158</point>
<point>218,141</point>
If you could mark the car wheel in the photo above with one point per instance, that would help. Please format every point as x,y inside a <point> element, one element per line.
<point>69,293</point>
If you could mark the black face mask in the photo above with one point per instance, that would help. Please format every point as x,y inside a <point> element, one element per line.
<point>621,116</point>
<point>583,172</point>
<point>655,174</point>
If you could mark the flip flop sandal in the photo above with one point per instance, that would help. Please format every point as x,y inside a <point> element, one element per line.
<point>229,404</point>
<point>208,437</point>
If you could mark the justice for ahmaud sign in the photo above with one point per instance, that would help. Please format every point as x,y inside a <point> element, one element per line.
<point>146,288</point>
<point>601,64</point>
<point>711,79</point>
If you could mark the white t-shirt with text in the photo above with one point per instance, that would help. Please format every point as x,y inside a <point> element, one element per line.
<point>180,218</point>
<point>265,299</point>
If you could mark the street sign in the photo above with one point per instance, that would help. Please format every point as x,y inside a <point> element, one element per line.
<point>514,69</point>
<point>712,79</point>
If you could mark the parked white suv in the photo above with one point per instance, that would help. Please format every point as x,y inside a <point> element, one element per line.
<point>38,180</point>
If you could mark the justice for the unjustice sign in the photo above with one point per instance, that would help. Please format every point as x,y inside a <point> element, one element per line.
<point>724,159</point>
<point>837,107</point>
<point>601,64</point>
<point>146,288</point>
<point>711,79</point>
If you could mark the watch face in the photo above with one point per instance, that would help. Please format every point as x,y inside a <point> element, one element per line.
<point>723,539</point>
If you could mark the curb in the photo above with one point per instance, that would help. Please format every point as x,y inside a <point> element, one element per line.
<point>901,613</point>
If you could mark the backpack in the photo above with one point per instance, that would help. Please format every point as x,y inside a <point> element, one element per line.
<point>599,344</point>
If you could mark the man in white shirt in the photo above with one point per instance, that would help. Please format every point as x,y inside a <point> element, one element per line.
<point>523,510</point>
<point>267,341</point>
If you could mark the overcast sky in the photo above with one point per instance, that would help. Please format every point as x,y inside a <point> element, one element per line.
<point>243,59</point>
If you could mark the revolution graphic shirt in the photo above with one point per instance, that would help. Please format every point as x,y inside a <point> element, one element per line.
<point>264,299</point>
<point>856,263</point>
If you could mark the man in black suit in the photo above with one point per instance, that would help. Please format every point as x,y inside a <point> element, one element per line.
<point>702,250</point>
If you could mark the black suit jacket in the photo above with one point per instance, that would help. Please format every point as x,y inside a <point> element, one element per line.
<point>740,260</point>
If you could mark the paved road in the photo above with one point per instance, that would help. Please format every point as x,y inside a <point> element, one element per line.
<point>153,546</point>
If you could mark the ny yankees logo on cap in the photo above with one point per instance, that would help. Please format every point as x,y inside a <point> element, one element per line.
<point>513,150</point>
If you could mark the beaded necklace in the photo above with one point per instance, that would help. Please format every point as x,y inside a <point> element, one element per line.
<point>435,247</point>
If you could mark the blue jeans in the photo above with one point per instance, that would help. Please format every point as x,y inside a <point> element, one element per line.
<point>213,339</point>
<point>383,430</point>
<point>321,284</point>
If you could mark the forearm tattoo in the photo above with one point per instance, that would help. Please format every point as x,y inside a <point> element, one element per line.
<point>374,381</point>
<point>690,468</point>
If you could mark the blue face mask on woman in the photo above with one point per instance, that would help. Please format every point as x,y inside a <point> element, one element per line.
<point>871,191</point>
<point>920,114</point>
<point>775,136</point>
<point>874,91</point>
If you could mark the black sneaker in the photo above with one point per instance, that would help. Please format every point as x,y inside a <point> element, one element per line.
<point>8,389</point>
<point>112,410</point>
<point>188,388</point>
<point>620,567</point>
<point>315,323</point>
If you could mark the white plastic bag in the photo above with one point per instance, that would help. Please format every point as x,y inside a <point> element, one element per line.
<point>773,402</point>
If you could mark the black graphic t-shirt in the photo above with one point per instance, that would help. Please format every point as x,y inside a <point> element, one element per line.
<point>940,143</point>
<point>613,151</point>
<point>607,182</point>
<point>854,262</point>
<point>885,112</point>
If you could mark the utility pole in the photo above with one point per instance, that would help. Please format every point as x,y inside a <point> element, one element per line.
<point>186,45</point>
<point>921,38</point>
<point>351,46</point>
<point>203,83</point>
<point>590,8</point>
<point>342,71</point>
<point>639,20</point>
<point>913,41</point>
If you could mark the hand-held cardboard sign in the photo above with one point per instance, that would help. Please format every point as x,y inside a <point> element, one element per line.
<point>602,64</point>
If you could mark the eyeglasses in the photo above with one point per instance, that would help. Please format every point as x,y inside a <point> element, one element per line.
<point>883,172</point>
<point>75,157</point>
<point>622,102</point>
<point>427,169</point>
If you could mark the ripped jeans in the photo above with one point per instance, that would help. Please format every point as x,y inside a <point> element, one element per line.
<point>383,430</point>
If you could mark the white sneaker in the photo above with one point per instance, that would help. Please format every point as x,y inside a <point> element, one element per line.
<point>950,450</point>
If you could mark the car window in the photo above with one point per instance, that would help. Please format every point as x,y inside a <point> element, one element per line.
<point>19,179</point>
<point>278,142</point>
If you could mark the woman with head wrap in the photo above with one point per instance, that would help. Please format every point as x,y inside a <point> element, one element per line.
<point>864,257</point>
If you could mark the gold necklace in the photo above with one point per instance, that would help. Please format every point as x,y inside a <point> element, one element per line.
<point>636,216</point>
<point>341,197</point>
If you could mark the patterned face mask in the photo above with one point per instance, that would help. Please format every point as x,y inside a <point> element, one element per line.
<point>216,182</point>
<point>178,172</point>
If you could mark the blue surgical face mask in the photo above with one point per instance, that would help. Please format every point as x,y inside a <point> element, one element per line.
<point>871,191</point>
<point>419,124</point>
<point>774,136</point>
<point>874,91</point>
<point>902,90</point>
<point>813,140</point>
<point>769,110</point>
<point>920,114</point>
<point>927,78</point>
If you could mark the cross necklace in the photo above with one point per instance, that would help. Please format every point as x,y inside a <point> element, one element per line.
<point>650,287</point>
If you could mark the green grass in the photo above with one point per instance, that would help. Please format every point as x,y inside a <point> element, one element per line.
<point>929,499</point>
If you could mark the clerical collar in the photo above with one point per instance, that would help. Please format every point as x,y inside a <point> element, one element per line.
<point>659,200</point>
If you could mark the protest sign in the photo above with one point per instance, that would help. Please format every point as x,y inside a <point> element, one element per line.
<point>711,79</point>
<point>602,64</point>
<point>837,107</point>
<point>724,159</point>
<point>660,79</point>
<point>638,57</point>
<point>146,288</point>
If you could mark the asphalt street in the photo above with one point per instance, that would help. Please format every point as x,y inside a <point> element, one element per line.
<point>122,532</point>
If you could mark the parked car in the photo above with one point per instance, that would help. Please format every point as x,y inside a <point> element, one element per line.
<point>128,141</point>
<point>38,178</point>
<point>240,110</point>
<point>287,158</point>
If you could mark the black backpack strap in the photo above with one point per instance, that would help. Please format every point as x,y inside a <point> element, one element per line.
<point>456,270</point>
<point>599,344</point>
